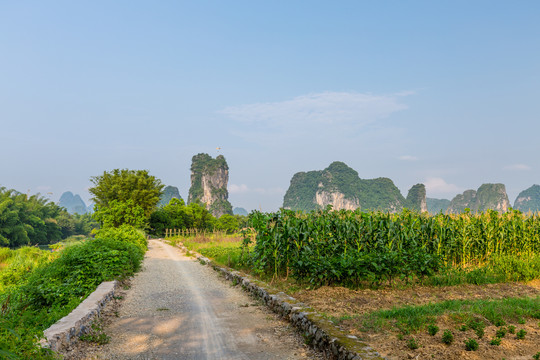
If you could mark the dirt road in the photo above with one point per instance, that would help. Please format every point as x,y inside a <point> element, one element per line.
<point>179,309</point>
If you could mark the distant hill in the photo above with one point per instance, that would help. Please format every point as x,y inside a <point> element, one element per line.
<point>435,206</point>
<point>528,200</point>
<point>72,203</point>
<point>340,186</point>
<point>488,196</point>
<point>240,211</point>
<point>169,192</point>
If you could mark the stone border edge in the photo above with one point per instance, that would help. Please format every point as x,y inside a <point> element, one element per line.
<point>67,330</point>
<point>319,332</point>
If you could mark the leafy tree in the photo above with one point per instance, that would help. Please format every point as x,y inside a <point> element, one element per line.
<point>120,195</point>
<point>176,215</point>
<point>227,223</point>
<point>119,213</point>
<point>27,220</point>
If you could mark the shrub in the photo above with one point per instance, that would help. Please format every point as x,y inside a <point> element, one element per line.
<point>433,330</point>
<point>412,344</point>
<point>520,335</point>
<point>495,341</point>
<point>125,233</point>
<point>447,337</point>
<point>471,345</point>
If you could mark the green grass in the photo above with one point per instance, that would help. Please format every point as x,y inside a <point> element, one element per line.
<point>413,318</point>
<point>224,250</point>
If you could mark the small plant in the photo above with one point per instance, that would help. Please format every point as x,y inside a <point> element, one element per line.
<point>479,332</point>
<point>96,335</point>
<point>499,322</point>
<point>400,336</point>
<point>433,330</point>
<point>521,321</point>
<point>412,344</point>
<point>512,329</point>
<point>500,332</point>
<point>463,327</point>
<point>495,341</point>
<point>520,335</point>
<point>471,345</point>
<point>447,337</point>
<point>536,356</point>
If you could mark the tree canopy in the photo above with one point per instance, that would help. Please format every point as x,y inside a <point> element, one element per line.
<point>124,196</point>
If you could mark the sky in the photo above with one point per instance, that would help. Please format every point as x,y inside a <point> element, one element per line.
<point>445,93</point>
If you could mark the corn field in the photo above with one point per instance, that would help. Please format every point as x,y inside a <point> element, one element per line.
<point>352,246</point>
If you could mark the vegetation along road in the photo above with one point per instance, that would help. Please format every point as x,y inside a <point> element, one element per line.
<point>177,308</point>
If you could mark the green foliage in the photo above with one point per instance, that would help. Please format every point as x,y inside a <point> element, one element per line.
<point>227,223</point>
<point>29,220</point>
<point>520,335</point>
<point>414,318</point>
<point>536,356</point>
<point>15,265</point>
<point>501,332</point>
<point>51,289</point>
<point>447,337</point>
<point>54,288</point>
<point>351,247</point>
<point>116,192</point>
<point>124,233</point>
<point>471,345</point>
<point>118,213</point>
<point>512,329</point>
<point>176,215</point>
<point>433,329</point>
<point>496,341</point>
<point>412,344</point>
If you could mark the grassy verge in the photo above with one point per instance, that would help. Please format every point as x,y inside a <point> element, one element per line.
<point>410,319</point>
<point>55,288</point>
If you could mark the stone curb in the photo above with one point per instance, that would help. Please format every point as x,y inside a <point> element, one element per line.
<point>319,332</point>
<point>67,330</point>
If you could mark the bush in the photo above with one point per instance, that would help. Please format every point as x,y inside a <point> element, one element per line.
<point>55,288</point>
<point>433,330</point>
<point>447,337</point>
<point>471,345</point>
<point>124,233</point>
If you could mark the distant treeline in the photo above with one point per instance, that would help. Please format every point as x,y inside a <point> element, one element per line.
<point>34,220</point>
<point>177,215</point>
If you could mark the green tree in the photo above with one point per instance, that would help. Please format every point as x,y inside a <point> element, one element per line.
<point>227,223</point>
<point>119,196</point>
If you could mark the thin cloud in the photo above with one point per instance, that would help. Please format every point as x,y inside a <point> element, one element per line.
<point>408,158</point>
<point>437,185</point>
<point>518,167</point>
<point>326,113</point>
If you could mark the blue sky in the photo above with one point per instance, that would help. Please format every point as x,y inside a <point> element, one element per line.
<point>443,93</point>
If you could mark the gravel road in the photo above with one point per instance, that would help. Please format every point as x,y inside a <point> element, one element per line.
<point>179,309</point>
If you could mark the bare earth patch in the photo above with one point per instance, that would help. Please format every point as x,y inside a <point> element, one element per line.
<point>339,301</point>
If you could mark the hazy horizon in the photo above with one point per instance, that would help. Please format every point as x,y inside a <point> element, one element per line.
<point>440,93</point>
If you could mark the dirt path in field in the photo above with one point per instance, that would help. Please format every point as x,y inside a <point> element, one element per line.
<point>179,309</point>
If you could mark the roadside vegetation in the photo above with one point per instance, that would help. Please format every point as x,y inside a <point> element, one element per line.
<point>33,220</point>
<point>39,287</point>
